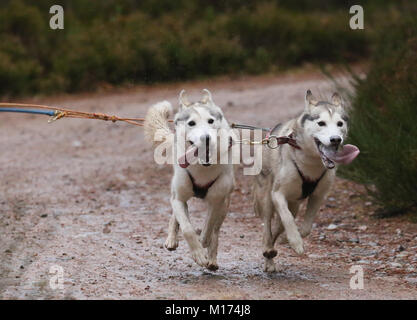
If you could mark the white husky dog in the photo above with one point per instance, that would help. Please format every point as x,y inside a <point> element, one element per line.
<point>306,169</point>
<point>206,178</point>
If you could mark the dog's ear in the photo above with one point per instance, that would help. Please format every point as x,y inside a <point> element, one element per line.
<point>183,99</point>
<point>337,99</point>
<point>309,100</point>
<point>207,97</point>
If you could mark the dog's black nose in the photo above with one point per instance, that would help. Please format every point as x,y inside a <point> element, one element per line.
<point>335,140</point>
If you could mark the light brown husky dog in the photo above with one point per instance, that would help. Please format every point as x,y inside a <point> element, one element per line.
<point>291,174</point>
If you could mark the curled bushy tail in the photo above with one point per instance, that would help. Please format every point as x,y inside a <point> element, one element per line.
<point>156,122</point>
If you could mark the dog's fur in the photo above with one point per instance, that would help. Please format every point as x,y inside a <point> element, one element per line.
<point>200,120</point>
<point>278,189</point>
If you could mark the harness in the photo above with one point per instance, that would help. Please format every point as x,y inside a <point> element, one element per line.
<point>200,191</point>
<point>309,185</point>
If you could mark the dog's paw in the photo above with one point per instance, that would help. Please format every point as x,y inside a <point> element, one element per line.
<point>269,254</point>
<point>212,266</point>
<point>200,257</point>
<point>296,242</point>
<point>171,243</point>
<point>270,266</point>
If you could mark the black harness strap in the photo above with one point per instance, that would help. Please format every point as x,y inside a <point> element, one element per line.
<point>308,186</point>
<point>200,191</point>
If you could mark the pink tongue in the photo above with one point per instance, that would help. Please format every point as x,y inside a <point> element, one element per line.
<point>348,153</point>
<point>189,155</point>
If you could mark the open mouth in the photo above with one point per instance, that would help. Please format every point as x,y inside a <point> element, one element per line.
<point>327,162</point>
<point>192,154</point>
<point>331,155</point>
<point>189,156</point>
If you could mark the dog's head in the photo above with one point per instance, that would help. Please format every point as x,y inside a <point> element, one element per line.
<point>325,126</point>
<point>200,121</point>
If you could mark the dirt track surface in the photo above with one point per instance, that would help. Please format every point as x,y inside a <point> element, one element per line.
<point>87,196</point>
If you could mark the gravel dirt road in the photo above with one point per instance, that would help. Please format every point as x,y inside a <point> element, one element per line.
<point>87,196</point>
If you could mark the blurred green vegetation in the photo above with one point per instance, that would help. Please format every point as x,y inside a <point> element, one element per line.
<point>120,42</point>
<point>384,118</point>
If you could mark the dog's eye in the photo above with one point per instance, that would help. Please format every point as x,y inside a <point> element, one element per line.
<point>340,124</point>
<point>321,123</point>
<point>191,123</point>
<point>210,121</point>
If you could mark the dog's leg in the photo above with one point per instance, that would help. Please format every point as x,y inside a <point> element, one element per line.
<point>268,244</point>
<point>263,207</point>
<point>209,236</point>
<point>266,206</point>
<point>197,251</point>
<point>282,237</point>
<point>171,242</point>
<point>293,236</point>
<point>212,250</point>
<point>313,205</point>
<point>277,230</point>
<point>269,252</point>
